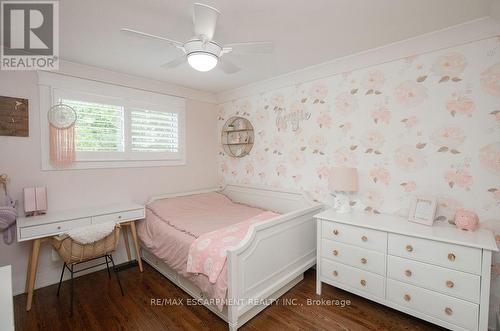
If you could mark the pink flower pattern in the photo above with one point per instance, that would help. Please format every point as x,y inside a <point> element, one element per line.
<point>409,159</point>
<point>410,94</point>
<point>460,105</point>
<point>490,80</point>
<point>448,139</point>
<point>346,103</point>
<point>449,64</point>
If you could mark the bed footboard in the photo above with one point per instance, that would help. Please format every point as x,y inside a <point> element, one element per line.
<point>272,258</point>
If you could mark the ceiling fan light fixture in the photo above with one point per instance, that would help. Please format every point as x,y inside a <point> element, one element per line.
<point>202,61</point>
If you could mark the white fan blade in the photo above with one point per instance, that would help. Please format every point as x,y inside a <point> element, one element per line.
<point>204,20</point>
<point>249,47</point>
<point>152,36</point>
<point>228,67</point>
<point>174,63</point>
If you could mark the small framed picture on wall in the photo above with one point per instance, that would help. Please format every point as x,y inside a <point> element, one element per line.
<point>423,210</point>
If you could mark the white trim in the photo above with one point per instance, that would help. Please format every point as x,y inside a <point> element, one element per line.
<point>51,84</point>
<point>475,30</point>
<point>104,75</point>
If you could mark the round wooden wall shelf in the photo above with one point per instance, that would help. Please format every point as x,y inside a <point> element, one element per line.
<point>237,136</point>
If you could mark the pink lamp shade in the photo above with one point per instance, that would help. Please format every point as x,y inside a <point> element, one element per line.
<point>344,179</point>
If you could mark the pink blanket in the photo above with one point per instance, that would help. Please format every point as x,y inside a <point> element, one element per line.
<point>173,224</point>
<point>208,253</point>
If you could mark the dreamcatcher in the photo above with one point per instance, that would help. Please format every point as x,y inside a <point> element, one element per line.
<point>62,120</point>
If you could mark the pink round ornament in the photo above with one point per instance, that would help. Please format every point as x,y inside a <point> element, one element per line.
<point>466,220</point>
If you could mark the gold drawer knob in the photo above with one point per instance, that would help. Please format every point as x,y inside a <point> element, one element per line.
<point>450,284</point>
<point>451,257</point>
<point>448,311</point>
<point>407,297</point>
<point>409,248</point>
<point>364,238</point>
<point>408,273</point>
<point>335,273</point>
<point>363,260</point>
<point>335,252</point>
<point>336,232</point>
<point>363,282</point>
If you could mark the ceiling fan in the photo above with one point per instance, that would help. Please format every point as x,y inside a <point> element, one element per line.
<point>202,52</point>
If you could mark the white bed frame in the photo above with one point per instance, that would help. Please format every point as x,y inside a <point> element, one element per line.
<point>269,261</point>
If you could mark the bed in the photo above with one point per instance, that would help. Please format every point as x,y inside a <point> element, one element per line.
<point>252,278</point>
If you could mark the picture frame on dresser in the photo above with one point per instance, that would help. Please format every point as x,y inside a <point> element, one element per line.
<point>423,209</point>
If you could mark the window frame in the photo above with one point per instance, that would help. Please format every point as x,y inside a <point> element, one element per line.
<point>54,88</point>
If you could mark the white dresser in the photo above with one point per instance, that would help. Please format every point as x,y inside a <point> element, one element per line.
<point>439,274</point>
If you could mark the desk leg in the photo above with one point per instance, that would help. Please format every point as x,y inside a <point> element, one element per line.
<point>35,250</point>
<point>136,244</point>
<point>125,239</point>
<point>30,257</point>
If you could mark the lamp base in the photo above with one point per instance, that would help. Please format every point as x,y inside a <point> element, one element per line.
<point>340,202</point>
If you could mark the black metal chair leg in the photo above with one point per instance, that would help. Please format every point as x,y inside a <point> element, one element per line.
<point>60,280</point>
<point>107,266</point>
<point>116,273</point>
<point>72,291</point>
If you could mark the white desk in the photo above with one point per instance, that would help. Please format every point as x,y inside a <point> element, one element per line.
<point>39,228</point>
<point>7,311</point>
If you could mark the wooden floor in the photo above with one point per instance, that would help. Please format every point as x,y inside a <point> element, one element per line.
<point>100,306</point>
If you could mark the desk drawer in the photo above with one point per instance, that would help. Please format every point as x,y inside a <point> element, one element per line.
<point>354,256</point>
<point>45,230</point>
<point>443,307</point>
<point>362,280</point>
<point>450,282</point>
<point>451,256</point>
<point>119,217</point>
<point>353,235</point>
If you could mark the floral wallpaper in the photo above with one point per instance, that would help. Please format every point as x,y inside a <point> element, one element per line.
<point>427,124</point>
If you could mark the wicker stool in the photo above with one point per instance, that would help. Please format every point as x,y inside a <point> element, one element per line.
<point>73,253</point>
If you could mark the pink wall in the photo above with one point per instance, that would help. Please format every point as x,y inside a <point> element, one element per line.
<point>20,159</point>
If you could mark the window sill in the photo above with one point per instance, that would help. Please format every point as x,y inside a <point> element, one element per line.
<point>115,164</point>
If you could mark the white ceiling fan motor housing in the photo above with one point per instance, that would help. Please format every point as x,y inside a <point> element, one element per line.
<point>200,46</point>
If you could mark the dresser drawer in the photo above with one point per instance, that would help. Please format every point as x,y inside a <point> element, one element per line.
<point>455,283</point>
<point>447,255</point>
<point>44,230</point>
<point>118,217</point>
<point>354,256</point>
<point>353,277</point>
<point>361,237</point>
<point>443,307</point>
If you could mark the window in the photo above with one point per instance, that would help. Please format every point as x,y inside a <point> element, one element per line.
<point>120,127</point>
<point>154,131</point>
<point>99,127</point>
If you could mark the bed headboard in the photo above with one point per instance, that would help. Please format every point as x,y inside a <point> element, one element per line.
<point>268,198</point>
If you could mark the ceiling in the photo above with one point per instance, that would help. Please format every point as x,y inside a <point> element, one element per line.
<point>305,33</point>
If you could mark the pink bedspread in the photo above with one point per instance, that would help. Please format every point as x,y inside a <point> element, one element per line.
<point>173,224</point>
<point>208,253</point>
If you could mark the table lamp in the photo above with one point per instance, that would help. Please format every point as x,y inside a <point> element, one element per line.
<point>341,181</point>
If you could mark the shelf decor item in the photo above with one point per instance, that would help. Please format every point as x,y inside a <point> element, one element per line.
<point>423,210</point>
<point>237,136</point>
<point>62,119</point>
